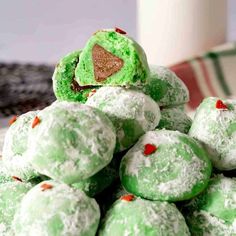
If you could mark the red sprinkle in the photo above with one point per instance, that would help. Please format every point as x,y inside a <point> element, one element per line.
<point>128,197</point>
<point>17,178</point>
<point>221,105</point>
<point>36,121</point>
<point>118,30</point>
<point>46,186</point>
<point>92,92</point>
<point>149,149</point>
<point>12,120</point>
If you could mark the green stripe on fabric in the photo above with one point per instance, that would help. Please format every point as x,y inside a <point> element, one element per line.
<point>219,73</point>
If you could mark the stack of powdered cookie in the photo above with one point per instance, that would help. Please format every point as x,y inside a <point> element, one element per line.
<point>117,155</point>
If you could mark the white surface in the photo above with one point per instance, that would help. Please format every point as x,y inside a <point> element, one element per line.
<point>173,30</point>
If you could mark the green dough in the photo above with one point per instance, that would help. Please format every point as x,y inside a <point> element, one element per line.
<point>15,147</point>
<point>215,209</point>
<point>201,223</point>
<point>11,194</point>
<point>98,182</point>
<point>216,129</point>
<point>111,58</point>
<point>64,85</point>
<point>174,119</point>
<point>72,142</point>
<point>56,211</point>
<point>165,87</point>
<point>143,217</point>
<point>132,113</point>
<point>178,170</point>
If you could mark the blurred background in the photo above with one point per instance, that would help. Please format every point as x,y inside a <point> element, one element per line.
<point>195,38</point>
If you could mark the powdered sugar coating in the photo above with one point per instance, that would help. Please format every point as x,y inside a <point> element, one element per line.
<point>205,224</point>
<point>72,142</point>
<point>178,170</point>
<point>165,87</point>
<point>174,118</point>
<point>132,113</point>
<point>60,210</point>
<point>219,199</point>
<point>216,129</point>
<point>11,194</point>
<point>15,147</point>
<point>143,217</point>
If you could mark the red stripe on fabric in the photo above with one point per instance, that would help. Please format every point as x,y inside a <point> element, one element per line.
<point>186,73</point>
<point>206,76</point>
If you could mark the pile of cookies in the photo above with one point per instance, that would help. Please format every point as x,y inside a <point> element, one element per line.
<point>117,155</point>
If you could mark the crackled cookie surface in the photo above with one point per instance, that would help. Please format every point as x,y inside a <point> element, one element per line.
<point>52,209</point>
<point>165,87</point>
<point>214,125</point>
<point>11,194</point>
<point>165,165</point>
<point>132,113</point>
<point>112,58</point>
<point>65,87</point>
<point>15,147</point>
<point>136,216</point>
<point>174,119</point>
<point>214,211</point>
<point>71,142</point>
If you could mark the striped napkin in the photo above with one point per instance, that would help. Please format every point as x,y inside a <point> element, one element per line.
<point>211,74</point>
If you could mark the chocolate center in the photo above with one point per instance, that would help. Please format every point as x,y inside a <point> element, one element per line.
<point>77,88</point>
<point>105,63</point>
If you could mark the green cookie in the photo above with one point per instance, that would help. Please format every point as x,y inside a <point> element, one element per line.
<point>15,147</point>
<point>71,142</point>
<point>143,217</point>
<point>98,182</point>
<point>55,209</point>
<point>214,211</point>
<point>64,84</point>
<point>174,119</point>
<point>165,87</point>
<point>131,112</point>
<point>11,194</point>
<point>112,58</point>
<point>165,165</point>
<point>215,127</point>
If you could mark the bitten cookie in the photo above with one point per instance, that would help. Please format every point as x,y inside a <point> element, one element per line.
<point>214,211</point>
<point>71,142</point>
<point>112,58</point>
<point>11,194</point>
<point>174,119</point>
<point>51,208</point>
<point>65,87</point>
<point>165,87</point>
<point>165,165</point>
<point>15,147</point>
<point>132,113</point>
<point>214,125</point>
<point>135,216</point>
